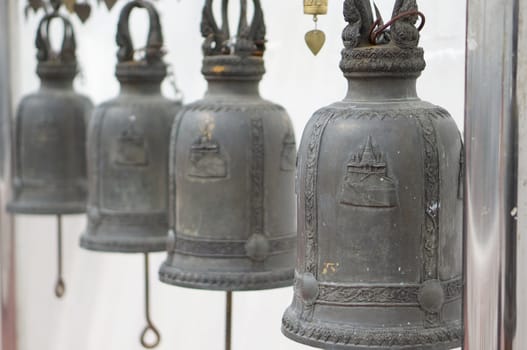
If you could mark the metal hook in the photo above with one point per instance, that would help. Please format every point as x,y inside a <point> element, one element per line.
<point>60,286</point>
<point>150,328</point>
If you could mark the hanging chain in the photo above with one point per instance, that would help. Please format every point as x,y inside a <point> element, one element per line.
<point>150,328</point>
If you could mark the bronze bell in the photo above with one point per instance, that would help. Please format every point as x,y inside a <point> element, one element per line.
<point>128,150</point>
<point>380,202</point>
<point>50,162</point>
<point>232,171</point>
<point>49,172</point>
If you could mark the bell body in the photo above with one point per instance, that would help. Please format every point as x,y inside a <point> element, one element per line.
<point>379,222</point>
<point>233,209</point>
<point>50,156</point>
<point>128,170</point>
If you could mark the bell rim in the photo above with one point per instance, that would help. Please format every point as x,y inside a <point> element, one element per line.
<point>51,70</point>
<point>299,333</point>
<point>128,72</point>
<point>223,281</point>
<point>16,207</point>
<point>233,67</point>
<point>384,60</point>
<point>105,244</point>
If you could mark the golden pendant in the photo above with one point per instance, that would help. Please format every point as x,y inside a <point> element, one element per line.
<point>315,40</point>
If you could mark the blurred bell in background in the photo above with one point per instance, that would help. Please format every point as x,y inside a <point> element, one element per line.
<point>50,137</point>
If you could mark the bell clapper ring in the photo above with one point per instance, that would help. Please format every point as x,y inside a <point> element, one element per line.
<point>150,327</point>
<point>228,321</point>
<point>60,286</point>
<point>315,39</point>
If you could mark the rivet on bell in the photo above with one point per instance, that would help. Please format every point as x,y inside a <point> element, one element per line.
<point>258,247</point>
<point>431,296</point>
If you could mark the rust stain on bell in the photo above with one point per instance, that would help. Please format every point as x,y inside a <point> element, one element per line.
<point>50,161</point>
<point>379,180</point>
<point>128,142</point>
<point>232,172</point>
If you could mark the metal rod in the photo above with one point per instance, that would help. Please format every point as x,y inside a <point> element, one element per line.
<point>493,243</point>
<point>150,328</point>
<point>60,286</point>
<point>8,46</point>
<point>228,321</point>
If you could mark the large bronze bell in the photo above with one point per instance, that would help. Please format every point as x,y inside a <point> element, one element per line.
<point>380,202</point>
<point>232,171</point>
<point>50,162</point>
<point>128,142</point>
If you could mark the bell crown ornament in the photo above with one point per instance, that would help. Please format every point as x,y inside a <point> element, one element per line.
<point>371,49</point>
<point>128,143</point>
<point>380,188</point>
<point>56,65</point>
<point>232,162</point>
<point>238,58</point>
<point>151,66</point>
<point>50,161</point>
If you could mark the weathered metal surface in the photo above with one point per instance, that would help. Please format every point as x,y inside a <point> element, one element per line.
<point>380,188</point>
<point>128,141</point>
<point>50,158</point>
<point>232,172</point>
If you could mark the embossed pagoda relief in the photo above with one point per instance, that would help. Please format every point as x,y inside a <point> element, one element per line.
<point>366,182</point>
<point>206,158</point>
<point>47,130</point>
<point>131,146</point>
<point>288,155</point>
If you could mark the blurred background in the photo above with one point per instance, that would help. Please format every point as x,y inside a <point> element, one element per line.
<point>103,307</point>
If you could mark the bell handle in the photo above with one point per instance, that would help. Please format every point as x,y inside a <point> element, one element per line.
<point>45,51</point>
<point>154,46</point>
<point>254,32</point>
<point>217,40</point>
<point>257,30</point>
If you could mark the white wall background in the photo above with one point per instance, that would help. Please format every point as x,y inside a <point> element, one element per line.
<point>103,308</point>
